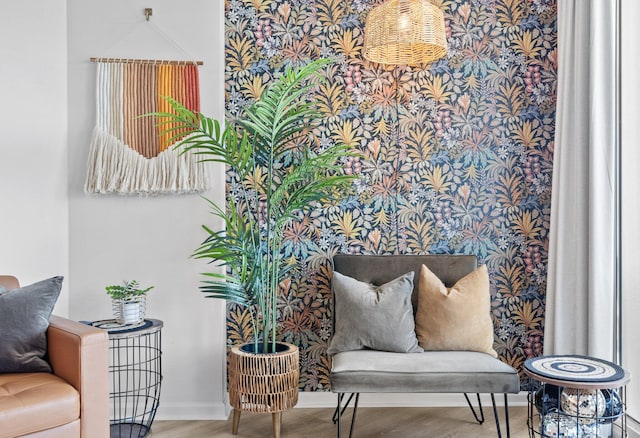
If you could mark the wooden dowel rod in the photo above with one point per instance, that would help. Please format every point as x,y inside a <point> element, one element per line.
<point>145,61</point>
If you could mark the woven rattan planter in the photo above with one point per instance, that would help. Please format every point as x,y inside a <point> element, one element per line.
<point>266,383</point>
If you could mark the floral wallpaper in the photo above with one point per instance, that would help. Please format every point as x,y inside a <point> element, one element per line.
<point>456,156</point>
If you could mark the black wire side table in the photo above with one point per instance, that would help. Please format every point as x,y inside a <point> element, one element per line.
<point>576,397</point>
<point>135,371</point>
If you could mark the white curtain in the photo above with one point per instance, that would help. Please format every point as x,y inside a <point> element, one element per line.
<point>581,277</point>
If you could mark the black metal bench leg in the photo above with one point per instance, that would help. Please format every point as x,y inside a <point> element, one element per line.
<point>344,408</point>
<point>353,417</point>
<point>506,415</point>
<point>337,414</point>
<point>479,419</point>
<point>495,414</point>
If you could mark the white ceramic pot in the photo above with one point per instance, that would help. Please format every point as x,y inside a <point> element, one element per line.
<point>129,311</point>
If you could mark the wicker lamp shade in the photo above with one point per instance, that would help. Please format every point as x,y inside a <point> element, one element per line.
<point>405,32</point>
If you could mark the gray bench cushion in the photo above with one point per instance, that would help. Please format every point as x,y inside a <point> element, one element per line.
<point>431,371</point>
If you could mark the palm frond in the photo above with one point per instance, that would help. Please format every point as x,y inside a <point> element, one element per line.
<point>310,180</point>
<point>278,177</point>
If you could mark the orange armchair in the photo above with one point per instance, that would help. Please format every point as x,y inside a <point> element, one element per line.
<point>74,400</point>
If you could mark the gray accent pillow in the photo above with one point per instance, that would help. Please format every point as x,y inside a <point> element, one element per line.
<point>373,317</point>
<point>24,320</point>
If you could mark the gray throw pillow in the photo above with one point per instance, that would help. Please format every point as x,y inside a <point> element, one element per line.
<point>373,317</point>
<point>24,320</point>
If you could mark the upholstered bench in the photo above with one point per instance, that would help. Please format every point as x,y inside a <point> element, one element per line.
<point>371,371</point>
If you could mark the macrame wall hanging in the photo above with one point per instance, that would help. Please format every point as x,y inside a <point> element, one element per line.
<point>129,154</point>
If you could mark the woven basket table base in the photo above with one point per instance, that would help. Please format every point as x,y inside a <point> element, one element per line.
<point>264,383</point>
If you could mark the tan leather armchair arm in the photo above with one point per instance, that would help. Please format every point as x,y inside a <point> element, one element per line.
<point>79,354</point>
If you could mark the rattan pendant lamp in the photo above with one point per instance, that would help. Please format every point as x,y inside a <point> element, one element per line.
<point>405,32</point>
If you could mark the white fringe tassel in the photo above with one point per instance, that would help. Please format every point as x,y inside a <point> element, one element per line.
<point>114,167</point>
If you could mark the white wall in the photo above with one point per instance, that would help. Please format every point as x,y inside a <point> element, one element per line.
<point>33,148</point>
<point>631,201</point>
<point>113,238</point>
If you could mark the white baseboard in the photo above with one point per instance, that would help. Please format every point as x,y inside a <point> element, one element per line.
<point>633,428</point>
<point>221,411</point>
<point>329,400</point>
<point>193,411</point>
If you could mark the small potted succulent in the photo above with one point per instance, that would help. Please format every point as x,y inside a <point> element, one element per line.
<point>129,301</point>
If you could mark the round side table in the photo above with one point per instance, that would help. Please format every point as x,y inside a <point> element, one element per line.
<point>576,397</point>
<point>135,371</point>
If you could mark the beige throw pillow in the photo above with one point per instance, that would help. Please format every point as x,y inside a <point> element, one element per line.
<point>458,318</point>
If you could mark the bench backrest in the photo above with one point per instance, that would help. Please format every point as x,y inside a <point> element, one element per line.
<point>380,269</point>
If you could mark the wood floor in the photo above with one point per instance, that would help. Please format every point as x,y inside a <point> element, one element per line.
<point>370,422</point>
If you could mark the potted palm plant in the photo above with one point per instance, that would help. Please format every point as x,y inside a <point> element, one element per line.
<point>277,177</point>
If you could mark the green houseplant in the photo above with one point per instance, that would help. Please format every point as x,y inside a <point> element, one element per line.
<point>128,301</point>
<point>277,175</point>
